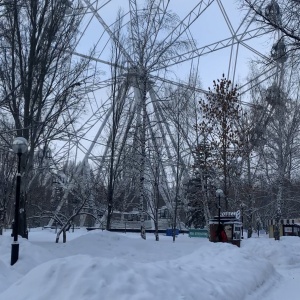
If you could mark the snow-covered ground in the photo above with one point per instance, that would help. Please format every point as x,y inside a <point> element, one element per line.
<point>117,266</point>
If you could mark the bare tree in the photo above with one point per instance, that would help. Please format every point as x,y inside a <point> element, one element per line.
<point>82,189</point>
<point>221,111</point>
<point>155,174</point>
<point>7,176</point>
<point>39,79</point>
<point>117,136</point>
<point>200,189</point>
<point>280,153</point>
<point>269,134</point>
<point>149,52</point>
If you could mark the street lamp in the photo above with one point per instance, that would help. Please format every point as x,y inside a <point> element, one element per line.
<point>219,194</point>
<point>19,146</point>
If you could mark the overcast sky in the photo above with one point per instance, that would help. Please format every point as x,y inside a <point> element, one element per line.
<point>209,28</point>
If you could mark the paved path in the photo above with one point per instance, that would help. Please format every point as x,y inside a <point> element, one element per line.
<point>284,286</point>
<point>287,286</point>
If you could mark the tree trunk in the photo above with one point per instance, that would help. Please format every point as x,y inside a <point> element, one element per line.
<point>142,144</point>
<point>156,216</point>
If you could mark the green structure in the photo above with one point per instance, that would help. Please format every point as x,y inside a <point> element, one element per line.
<point>200,233</point>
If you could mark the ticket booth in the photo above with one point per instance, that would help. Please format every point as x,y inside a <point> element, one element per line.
<point>232,227</point>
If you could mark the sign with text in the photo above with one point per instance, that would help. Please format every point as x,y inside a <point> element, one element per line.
<point>201,233</point>
<point>236,214</point>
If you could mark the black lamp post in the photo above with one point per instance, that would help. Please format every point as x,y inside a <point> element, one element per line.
<point>219,194</point>
<point>19,146</point>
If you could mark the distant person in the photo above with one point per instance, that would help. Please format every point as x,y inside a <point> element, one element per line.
<point>249,235</point>
<point>221,234</point>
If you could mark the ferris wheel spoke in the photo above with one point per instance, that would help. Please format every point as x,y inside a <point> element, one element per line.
<point>181,28</point>
<point>134,28</point>
<point>270,72</point>
<point>109,31</point>
<point>227,20</point>
<point>93,58</point>
<point>197,53</point>
<point>225,43</point>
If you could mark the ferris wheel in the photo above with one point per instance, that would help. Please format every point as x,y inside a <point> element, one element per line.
<point>149,55</point>
<point>164,43</point>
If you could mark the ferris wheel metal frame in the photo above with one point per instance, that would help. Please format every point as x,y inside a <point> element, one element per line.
<point>153,75</point>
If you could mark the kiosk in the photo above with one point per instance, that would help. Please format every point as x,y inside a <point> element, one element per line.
<point>287,227</point>
<point>232,226</point>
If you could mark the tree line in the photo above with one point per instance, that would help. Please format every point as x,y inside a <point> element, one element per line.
<point>172,148</point>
